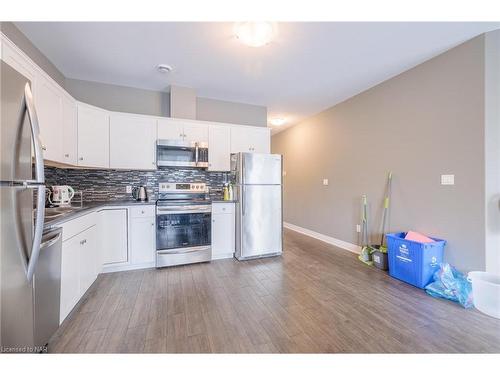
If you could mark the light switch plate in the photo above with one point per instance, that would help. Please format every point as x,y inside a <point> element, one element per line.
<point>129,189</point>
<point>358,228</point>
<point>284,173</point>
<point>325,181</point>
<point>447,179</point>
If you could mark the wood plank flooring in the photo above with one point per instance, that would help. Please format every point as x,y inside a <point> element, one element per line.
<point>314,299</point>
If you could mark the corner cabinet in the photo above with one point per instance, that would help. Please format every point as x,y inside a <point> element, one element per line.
<point>93,136</point>
<point>250,139</point>
<point>132,141</point>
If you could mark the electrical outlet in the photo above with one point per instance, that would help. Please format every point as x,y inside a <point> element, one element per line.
<point>358,228</point>
<point>129,189</point>
<point>325,181</point>
<point>447,179</point>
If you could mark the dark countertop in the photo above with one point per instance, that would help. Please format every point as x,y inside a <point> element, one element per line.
<point>89,207</point>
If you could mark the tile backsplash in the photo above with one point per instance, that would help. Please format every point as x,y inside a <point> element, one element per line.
<point>110,184</point>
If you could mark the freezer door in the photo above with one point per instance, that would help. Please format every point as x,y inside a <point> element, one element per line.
<point>259,221</point>
<point>15,129</point>
<point>259,169</point>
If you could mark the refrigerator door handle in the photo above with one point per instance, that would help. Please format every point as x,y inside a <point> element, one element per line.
<point>242,200</point>
<point>31,260</point>
<point>196,154</point>
<point>35,133</point>
<point>37,236</point>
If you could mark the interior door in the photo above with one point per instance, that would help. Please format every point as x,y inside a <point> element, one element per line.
<point>261,220</point>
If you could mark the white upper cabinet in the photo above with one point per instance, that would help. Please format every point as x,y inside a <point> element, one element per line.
<point>132,141</point>
<point>18,61</point>
<point>184,130</point>
<point>219,152</point>
<point>196,132</point>
<point>93,136</point>
<point>170,129</point>
<point>250,139</point>
<point>69,131</point>
<point>49,105</point>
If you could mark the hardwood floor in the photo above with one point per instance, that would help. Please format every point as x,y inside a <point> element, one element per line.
<point>314,299</point>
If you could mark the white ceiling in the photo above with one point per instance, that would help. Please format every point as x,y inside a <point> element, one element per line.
<point>306,69</point>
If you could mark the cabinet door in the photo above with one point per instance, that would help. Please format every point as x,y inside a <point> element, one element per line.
<point>114,243</point>
<point>49,106</point>
<point>143,240</point>
<point>223,236</point>
<point>170,129</point>
<point>70,279</point>
<point>219,148</point>
<point>69,131</point>
<point>132,142</point>
<point>195,132</point>
<point>87,257</point>
<point>93,136</point>
<point>246,139</point>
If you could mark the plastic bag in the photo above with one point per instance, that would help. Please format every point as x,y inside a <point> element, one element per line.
<point>451,284</point>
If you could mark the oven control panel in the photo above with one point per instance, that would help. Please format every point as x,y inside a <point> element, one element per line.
<point>194,187</point>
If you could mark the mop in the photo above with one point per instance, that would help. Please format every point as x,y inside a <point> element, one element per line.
<point>366,250</point>
<point>383,248</point>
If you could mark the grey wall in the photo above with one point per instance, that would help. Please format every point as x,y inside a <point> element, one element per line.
<point>235,113</point>
<point>423,123</point>
<point>16,36</point>
<point>492,150</point>
<point>120,98</point>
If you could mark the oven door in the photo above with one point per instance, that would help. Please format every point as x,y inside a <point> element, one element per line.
<point>176,153</point>
<point>176,230</point>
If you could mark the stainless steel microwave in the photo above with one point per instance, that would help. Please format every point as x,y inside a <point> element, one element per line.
<point>179,153</point>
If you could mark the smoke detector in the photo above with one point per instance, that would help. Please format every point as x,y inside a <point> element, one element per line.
<point>164,68</point>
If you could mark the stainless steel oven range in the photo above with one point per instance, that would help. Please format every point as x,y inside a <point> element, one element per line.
<point>183,224</point>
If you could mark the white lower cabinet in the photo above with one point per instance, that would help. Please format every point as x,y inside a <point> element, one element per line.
<point>223,230</point>
<point>113,235</point>
<point>78,268</point>
<point>142,240</point>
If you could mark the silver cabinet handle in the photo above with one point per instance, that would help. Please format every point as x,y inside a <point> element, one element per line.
<point>66,155</point>
<point>44,148</point>
<point>83,242</point>
<point>80,158</point>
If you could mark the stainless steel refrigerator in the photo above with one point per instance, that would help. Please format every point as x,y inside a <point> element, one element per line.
<point>259,214</point>
<point>30,260</point>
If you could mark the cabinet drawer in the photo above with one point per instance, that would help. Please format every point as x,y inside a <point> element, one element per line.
<point>73,227</point>
<point>222,208</point>
<point>142,211</point>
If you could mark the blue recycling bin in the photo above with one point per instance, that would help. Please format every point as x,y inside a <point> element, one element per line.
<point>411,261</point>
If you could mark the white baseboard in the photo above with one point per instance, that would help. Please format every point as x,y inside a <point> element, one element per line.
<point>322,237</point>
<point>222,256</point>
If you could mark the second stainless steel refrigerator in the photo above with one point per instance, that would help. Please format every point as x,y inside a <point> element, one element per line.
<point>259,218</point>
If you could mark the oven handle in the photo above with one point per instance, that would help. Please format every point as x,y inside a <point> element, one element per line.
<point>184,209</point>
<point>183,251</point>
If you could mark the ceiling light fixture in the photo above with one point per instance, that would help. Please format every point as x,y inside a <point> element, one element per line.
<point>255,34</point>
<point>277,121</point>
<point>164,68</point>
